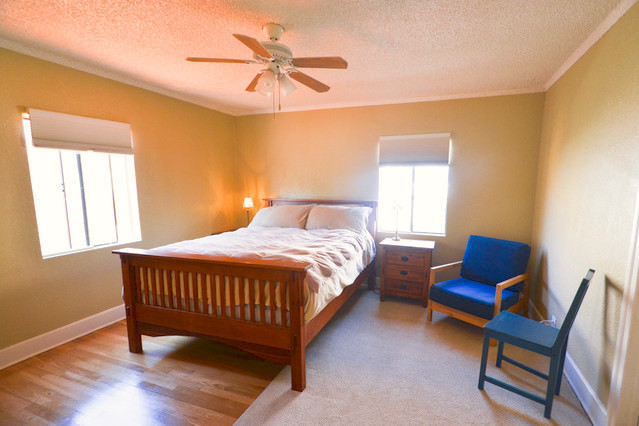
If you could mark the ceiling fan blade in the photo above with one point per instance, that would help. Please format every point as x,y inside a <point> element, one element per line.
<point>253,83</point>
<point>309,81</point>
<point>254,45</point>
<point>320,62</point>
<point>220,60</point>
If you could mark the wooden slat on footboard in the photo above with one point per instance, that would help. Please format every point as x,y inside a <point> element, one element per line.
<point>187,291</point>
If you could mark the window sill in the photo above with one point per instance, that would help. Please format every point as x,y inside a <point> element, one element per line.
<point>92,248</point>
<point>409,234</point>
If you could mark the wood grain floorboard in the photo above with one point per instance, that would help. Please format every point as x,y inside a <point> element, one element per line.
<point>96,380</point>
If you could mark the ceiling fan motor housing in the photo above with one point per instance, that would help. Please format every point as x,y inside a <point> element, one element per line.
<point>278,51</point>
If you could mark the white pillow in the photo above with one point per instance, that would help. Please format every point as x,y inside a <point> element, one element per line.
<point>282,216</point>
<point>338,217</point>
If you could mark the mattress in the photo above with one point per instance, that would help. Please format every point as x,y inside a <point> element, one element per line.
<point>337,256</point>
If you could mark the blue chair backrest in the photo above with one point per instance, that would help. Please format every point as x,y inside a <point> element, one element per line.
<point>491,260</point>
<point>574,307</point>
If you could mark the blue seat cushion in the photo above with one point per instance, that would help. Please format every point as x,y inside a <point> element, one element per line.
<point>470,296</point>
<point>491,260</point>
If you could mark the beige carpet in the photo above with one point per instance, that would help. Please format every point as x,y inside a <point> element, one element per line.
<point>381,363</point>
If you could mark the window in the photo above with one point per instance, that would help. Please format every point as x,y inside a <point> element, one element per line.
<point>413,183</point>
<point>83,182</point>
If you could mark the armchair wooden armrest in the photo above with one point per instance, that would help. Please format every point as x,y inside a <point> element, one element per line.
<point>509,283</point>
<point>435,269</point>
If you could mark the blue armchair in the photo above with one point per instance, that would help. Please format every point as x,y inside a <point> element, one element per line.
<point>493,279</point>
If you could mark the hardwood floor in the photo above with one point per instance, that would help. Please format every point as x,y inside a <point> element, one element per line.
<point>95,380</point>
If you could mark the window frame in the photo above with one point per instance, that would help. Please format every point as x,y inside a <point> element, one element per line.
<point>123,196</point>
<point>414,151</point>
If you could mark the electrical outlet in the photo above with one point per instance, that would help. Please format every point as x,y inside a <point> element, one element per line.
<point>553,321</point>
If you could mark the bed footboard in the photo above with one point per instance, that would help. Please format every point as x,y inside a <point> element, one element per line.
<point>238,302</point>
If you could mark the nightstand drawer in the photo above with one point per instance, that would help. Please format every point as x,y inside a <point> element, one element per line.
<point>404,288</point>
<point>404,257</point>
<point>407,273</point>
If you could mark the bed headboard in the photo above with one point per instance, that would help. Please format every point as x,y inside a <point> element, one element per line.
<point>372,220</point>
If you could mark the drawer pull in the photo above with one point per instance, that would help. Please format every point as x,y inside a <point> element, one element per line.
<point>403,272</point>
<point>403,287</point>
<point>404,258</point>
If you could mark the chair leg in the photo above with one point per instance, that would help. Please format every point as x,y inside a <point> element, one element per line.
<point>500,353</point>
<point>552,384</point>
<point>484,360</point>
<point>562,358</point>
<point>429,313</point>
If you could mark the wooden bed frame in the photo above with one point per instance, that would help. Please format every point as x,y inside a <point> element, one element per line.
<point>157,285</point>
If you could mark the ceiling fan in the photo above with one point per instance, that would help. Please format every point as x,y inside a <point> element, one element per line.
<point>280,64</point>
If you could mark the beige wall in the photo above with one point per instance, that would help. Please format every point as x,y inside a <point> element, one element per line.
<point>184,161</point>
<point>334,154</point>
<point>588,174</point>
<point>572,198</point>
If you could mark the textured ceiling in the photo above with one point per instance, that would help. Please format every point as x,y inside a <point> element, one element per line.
<point>397,51</point>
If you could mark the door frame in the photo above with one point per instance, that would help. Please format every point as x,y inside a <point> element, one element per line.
<point>623,401</point>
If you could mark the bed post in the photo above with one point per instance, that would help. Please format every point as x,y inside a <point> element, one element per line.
<point>129,285</point>
<point>298,345</point>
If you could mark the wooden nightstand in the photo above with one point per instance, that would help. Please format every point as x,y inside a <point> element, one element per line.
<point>406,268</point>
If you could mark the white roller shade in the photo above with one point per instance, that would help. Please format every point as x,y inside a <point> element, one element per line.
<point>64,131</point>
<point>414,149</point>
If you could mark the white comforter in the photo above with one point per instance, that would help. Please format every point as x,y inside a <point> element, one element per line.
<point>337,256</point>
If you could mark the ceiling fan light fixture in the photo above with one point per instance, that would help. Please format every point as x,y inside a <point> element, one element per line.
<point>286,85</point>
<point>266,83</point>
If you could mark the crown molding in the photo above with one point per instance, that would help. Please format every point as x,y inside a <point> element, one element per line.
<point>355,104</point>
<point>593,38</point>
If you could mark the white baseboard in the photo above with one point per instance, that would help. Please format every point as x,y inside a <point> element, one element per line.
<point>585,393</point>
<point>44,342</point>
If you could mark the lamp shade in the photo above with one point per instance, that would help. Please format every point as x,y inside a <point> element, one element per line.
<point>266,83</point>
<point>286,86</point>
<point>248,203</point>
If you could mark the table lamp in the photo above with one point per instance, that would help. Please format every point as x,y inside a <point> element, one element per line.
<point>248,204</point>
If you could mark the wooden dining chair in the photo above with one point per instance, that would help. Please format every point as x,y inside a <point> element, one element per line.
<point>536,337</point>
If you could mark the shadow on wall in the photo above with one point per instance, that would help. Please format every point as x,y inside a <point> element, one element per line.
<point>544,300</point>
<point>613,294</point>
<point>603,338</point>
<point>539,285</point>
